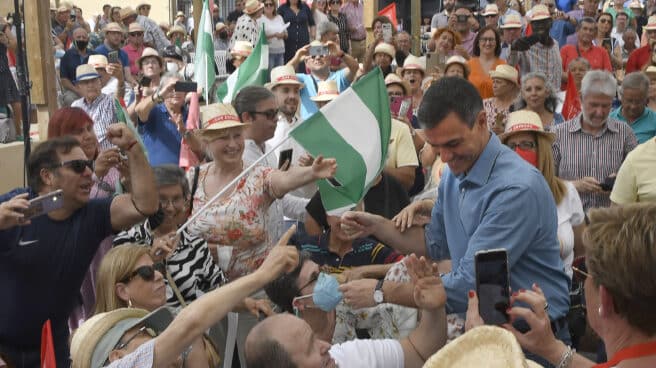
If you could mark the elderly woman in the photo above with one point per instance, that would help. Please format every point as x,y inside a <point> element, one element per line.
<point>487,48</point>
<point>188,259</point>
<point>619,304</point>
<point>380,54</point>
<point>538,96</point>
<point>505,86</point>
<point>151,66</point>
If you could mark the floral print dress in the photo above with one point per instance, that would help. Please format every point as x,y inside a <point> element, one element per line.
<point>237,219</point>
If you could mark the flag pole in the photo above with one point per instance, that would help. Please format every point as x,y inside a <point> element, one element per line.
<point>225,189</point>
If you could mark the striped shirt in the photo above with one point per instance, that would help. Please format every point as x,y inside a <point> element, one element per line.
<point>191,266</point>
<point>540,58</point>
<point>578,154</point>
<point>102,112</point>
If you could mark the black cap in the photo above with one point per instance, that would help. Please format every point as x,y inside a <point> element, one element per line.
<point>172,52</point>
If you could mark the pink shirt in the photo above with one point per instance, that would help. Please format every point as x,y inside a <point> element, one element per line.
<point>133,55</point>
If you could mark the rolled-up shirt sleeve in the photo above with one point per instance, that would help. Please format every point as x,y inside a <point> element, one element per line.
<point>434,233</point>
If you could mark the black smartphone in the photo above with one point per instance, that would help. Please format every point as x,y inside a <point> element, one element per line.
<point>112,57</point>
<point>145,81</point>
<point>608,184</point>
<point>43,204</point>
<point>318,50</point>
<point>184,86</point>
<point>285,155</point>
<point>493,285</point>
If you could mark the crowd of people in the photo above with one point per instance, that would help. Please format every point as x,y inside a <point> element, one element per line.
<point>193,233</point>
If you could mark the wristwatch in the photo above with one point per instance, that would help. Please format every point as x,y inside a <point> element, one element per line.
<point>378,292</point>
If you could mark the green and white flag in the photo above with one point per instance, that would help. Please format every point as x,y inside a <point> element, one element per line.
<point>204,73</point>
<point>254,71</point>
<point>354,129</point>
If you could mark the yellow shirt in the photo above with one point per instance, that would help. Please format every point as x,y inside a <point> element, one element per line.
<point>636,180</point>
<point>401,151</point>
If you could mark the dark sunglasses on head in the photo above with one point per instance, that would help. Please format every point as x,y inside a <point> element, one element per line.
<point>270,114</point>
<point>147,273</point>
<point>76,165</point>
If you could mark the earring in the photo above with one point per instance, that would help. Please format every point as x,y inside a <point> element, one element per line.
<point>129,303</point>
<point>600,311</point>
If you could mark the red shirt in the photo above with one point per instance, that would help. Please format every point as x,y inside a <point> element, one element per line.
<point>133,55</point>
<point>637,59</point>
<point>596,56</point>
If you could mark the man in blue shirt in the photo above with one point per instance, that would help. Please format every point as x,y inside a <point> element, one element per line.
<point>319,67</point>
<point>488,198</point>
<point>634,111</point>
<point>113,39</point>
<point>74,57</point>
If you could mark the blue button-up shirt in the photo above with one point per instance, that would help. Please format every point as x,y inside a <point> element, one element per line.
<point>643,127</point>
<point>502,202</point>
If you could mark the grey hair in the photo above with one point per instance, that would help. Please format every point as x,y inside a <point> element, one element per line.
<point>598,82</point>
<point>325,27</point>
<point>170,174</point>
<point>636,80</point>
<point>166,77</point>
<point>580,59</point>
<point>550,102</point>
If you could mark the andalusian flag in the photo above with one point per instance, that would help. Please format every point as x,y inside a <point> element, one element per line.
<point>354,129</point>
<point>204,73</point>
<point>254,71</point>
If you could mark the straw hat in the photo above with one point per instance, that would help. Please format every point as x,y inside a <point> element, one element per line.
<point>176,29</point>
<point>540,12</point>
<point>385,48</point>
<point>219,26</point>
<point>484,346</point>
<point>180,14</point>
<point>253,6</point>
<point>127,12</point>
<point>283,74</point>
<point>113,27</point>
<point>135,27</point>
<point>85,72</point>
<point>635,4</point>
<point>491,9</point>
<point>241,48</point>
<point>506,72</point>
<point>651,23</point>
<point>525,121</point>
<point>98,61</point>
<point>141,5</point>
<point>456,59</point>
<point>511,20</point>
<point>149,52</point>
<point>218,116</point>
<point>395,79</point>
<point>414,63</point>
<point>327,91</point>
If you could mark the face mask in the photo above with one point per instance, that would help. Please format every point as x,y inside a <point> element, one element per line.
<point>530,156</point>
<point>81,45</point>
<point>172,67</point>
<point>326,294</point>
<point>59,53</point>
<point>223,35</point>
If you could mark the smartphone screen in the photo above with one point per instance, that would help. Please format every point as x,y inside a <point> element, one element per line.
<point>182,86</point>
<point>44,204</point>
<point>285,155</point>
<point>493,285</point>
<point>318,50</point>
<point>387,32</point>
<point>400,106</point>
<point>112,57</point>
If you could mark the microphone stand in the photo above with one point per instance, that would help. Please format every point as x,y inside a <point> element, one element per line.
<point>24,84</point>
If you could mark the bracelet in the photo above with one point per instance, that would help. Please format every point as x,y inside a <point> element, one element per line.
<point>137,208</point>
<point>567,358</point>
<point>415,348</point>
<point>131,145</point>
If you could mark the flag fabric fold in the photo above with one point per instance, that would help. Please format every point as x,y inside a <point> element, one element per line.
<point>47,347</point>
<point>390,12</point>
<point>337,130</point>
<point>572,103</point>
<point>254,71</point>
<point>204,72</point>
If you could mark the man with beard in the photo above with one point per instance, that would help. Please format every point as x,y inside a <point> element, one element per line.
<point>591,147</point>
<point>441,19</point>
<point>538,52</point>
<point>221,41</point>
<point>74,57</point>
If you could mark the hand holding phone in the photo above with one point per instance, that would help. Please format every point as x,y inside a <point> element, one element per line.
<point>387,32</point>
<point>112,57</point>
<point>493,285</point>
<point>608,183</point>
<point>44,204</point>
<point>318,50</point>
<point>285,159</point>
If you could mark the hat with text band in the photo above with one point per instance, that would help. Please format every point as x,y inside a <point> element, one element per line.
<point>511,21</point>
<point>99,61</point>
<point>283,75</point>
<point>253,6</point>
<point>85,72</point>
<point>507,72</point>
<point>540,12</point>
<point>327,91</point>
<point>525,121</point>
<point>484,346</point>
<point>217,117</point>
<point>395,79</point>
<point>651,23</point>
<point>412,62</point>
<point>385,48</point>
<point>490,9</point>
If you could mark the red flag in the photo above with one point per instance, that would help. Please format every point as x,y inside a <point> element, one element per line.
<point>390,12</point>
<point>529,30</point>
<point>187,156</point>
<point>572,104</point>
<point>47,347</point>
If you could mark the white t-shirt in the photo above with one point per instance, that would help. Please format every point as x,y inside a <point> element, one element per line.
<point>386,353</point>
<point>570,213</point>
<point>271,26</point>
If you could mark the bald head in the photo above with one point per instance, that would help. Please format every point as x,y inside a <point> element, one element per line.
<point>264,343</point>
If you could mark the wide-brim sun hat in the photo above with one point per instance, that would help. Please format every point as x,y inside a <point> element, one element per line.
<point>253,6</point>
<point>176,29</point>
<point>217,117</point>
<point>506,72</point>
<point>242,48</point>
<point>149,52</point>
<point>283,74</point>
<point>511,21</point>
<point>525,121</point>
<point>135,27</point>
<point>113,27</point>
<point>385,48</point>
<point>327,91</point>
<point>456,59</point>
<point>490,9</point>
<point>412,62</point>
<point>539,12</point>
<point>651,23</point>
<point>98,61</point>
<point>85,72</point>
<point>395,79</point>
<point>127,12</point>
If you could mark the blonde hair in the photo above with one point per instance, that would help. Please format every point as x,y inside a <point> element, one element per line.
<point>117,264</point>
<point>548,168</point>
<point>620,245</point>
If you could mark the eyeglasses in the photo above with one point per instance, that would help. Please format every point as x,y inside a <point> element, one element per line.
<point>78,166</point>
<point>136,34</point>
<point>485,39</point>
<point>523,145</point>
<point>143,330</point>
<point>313,278</point>
<point>175,202</point>
<point>147,273</point>
<point>269,114</point>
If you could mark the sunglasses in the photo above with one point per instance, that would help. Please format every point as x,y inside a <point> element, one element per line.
<point>523,145</point>
<point>269,114</point>
<point>78,166</point>
<point>147,273</point>
<point>143,330</point>
<point>136,34</point>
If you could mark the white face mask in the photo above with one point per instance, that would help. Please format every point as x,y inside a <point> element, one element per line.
<point>172,67</point>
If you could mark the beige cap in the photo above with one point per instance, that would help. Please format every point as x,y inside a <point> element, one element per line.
<point>127,12</point>
<point>242,48</point>
<point>511,21</point>
<point>113,27</point>
<point>218,116</point>
<point>252,6</point>
<point>98,61</point>
<point>540,12</point>
<point>327,91</point>
<point>385,48</point>
<point>414,63</point>
<point>283,74</point>
<point>180,14</point>
<point>150,52</point>
<point>395,79</point>
<point>524,121</point>
<point>135,27</point>
<point>507,72</point>
<point>490,9</point>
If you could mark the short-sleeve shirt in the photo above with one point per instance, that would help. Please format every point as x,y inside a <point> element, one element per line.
<point>595,55</point>
<point>161,137</point>
<point>133,55</point>
<point>401,151</point>
<point>308,107</point>
<point>385,353</point>
<point>122,55</point>
<point>643,127</point>
<point>636,180</point>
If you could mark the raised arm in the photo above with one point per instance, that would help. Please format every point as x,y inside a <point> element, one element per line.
<point>282,182</point>
<point>299,56</point>
<point>146,104</point>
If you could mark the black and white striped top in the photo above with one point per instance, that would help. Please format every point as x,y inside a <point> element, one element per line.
<point>191,265</point>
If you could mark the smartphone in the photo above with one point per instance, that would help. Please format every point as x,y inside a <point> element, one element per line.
<point>112,57</point>
<point>435,59</point>
<point>608,183</point>
<point>158,320</point>
<point>387,32</point>
<point>43,204</point>
<point>285,155</point>
<point>400,106</point>
<point>145,81</point>
<point>73,16</point>
<point>184,86</point>
<point>318,50</point>
<point>493,285</point>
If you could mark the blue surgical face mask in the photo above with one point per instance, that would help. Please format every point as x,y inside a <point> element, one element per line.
<point>326,294</point>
